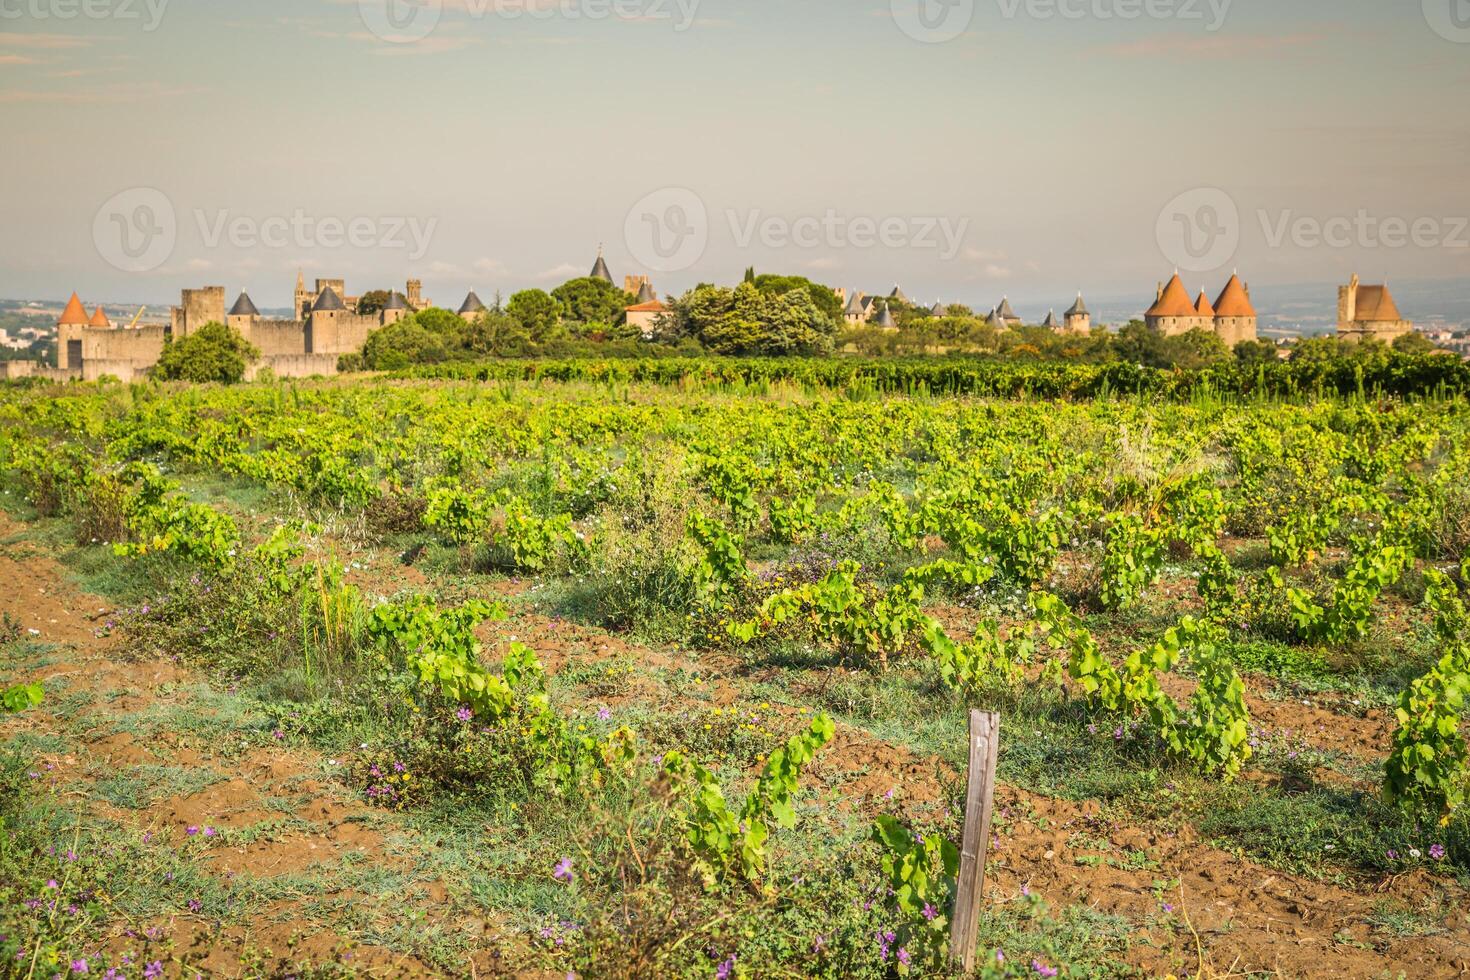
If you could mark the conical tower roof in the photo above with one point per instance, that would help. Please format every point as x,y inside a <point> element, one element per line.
<point>1202,305</point>
<point>898,294</point>
<point>1051,320</point>
<point>1004,311</point>
<point>396,301</point>
<point>885,319</point>
<point>937,309</point>
<point>1174,301</point>
<point>599,268</point>
<point>99,319</point>
<point>1079,308</point>
<point>328,302</point>
<point>75,314</point>
<point>855,305</point>
<point>645,293</point>
<point>243,306</point>
<point>1234,300</point>
<point>471,305</point>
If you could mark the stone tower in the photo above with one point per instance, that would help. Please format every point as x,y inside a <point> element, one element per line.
<point>242,315</point>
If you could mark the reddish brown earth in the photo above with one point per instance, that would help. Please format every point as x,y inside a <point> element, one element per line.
<point>1196,909</point>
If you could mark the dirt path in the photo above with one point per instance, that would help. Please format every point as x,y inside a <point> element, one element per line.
<point>88,667</point>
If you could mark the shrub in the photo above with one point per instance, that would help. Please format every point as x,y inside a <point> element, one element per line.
<point>214,352</point>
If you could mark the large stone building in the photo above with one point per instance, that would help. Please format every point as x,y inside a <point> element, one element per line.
<point>326,326</point>
<point>1369,312</point>
<point>1231,317</point>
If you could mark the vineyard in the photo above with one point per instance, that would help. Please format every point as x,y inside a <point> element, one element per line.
<point>554,670</point>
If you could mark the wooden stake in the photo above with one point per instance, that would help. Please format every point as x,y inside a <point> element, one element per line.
<point>964,924</point>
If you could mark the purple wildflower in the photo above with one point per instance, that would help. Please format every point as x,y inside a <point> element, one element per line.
<point>153,970</point>
<point>79,966</point>
<point>603,713</point>
<point>464,714</point>
<point>903,956</point>
<point>723,971</point>
<point>191,830</point>
<point>1436,851</point>
<point>930,912</point>
<point>1041,969</point>
<point>563,870</point>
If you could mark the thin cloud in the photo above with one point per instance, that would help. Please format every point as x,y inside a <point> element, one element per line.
<point>1215,46</point>
<point>43,42</point>
<point>111,94</point>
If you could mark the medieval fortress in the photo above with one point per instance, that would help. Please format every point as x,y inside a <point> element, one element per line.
<point>326,323</point>
<point>325,326</point>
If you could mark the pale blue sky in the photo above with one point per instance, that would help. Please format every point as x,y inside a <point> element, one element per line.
<point>1052,142</point>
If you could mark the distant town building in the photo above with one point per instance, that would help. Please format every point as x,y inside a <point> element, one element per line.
<point>1231,317</point>
<point>599,268</point>
<point>1365,312</point>
<point>471,307</point>
<point>1078,320</point>
<point>633,285</point>
<point>1003,316</point>
<point>884,320</point>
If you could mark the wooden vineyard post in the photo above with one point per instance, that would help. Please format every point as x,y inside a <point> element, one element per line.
<point>964,923</point>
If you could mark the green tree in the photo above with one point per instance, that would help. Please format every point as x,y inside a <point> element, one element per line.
<point>591,300</point>
<point>535,310</point>
<point>214,352</point>
<point>1196,349</point>
<point>825,299</point>
<point>401,344</point>
<point>746,321</point>
<point>1138,344</point>
<point>496,334</point>
<point>1253,352</point>
<point>1413,342</point>
<point>440,322</point>
<point>372,302</point>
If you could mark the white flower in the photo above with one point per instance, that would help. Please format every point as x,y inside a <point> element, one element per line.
<point>1414,852</point>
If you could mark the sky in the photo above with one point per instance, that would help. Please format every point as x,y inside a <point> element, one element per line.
<point>963,149</point>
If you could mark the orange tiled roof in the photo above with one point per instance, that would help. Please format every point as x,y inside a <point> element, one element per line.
<point>653,307</point>
<point>75,313</point>
<point>1234,301</point>
<point>99,319</point>
<point>1203,307</point>
<point>1174,301</point>
<point>1375,303</point>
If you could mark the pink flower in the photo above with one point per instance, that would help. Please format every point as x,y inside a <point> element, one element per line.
<point>1436,851</point>
<point>1042,969</point>
<point>563,870</point>
<point>464,714</point>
